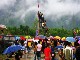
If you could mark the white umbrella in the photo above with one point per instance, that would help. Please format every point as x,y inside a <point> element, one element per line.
<point>3,26</point>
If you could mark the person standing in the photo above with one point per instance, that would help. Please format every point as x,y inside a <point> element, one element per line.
<point>35,50</point>
<point>18,55</point>
<point>39,47</point>
<point>43,46</point>
<point>77,54</point>
<point>47,52</point>
<point>68,52</point>
<point>16,42</point>
<point>52,52</point>
<point>28,46</point>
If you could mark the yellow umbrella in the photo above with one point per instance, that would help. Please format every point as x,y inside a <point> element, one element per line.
<point>28,37</point>
<point>57,37</point>
<point>63,38</point>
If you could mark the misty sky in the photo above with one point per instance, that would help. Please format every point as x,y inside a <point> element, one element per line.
<point>53,9</point>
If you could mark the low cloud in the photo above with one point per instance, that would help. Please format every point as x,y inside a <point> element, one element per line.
<point>48,7</point>
<point>6,3</point>
<point>51,8</point>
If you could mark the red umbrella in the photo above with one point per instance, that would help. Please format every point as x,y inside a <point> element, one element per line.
<point>22,38</point>
<point>36,37</point>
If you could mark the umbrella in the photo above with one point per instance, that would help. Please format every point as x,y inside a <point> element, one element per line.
<point>77,37</point>
<point>12,48</point>
<point>63,38</point>
<point>57,37</point>
<point>28,37</point>
<point>17,37</point>
<point>59,46</point>
<point>51,37</point>
<point>79,41</point>
<point>42,37</point>
<point>70,39</point>
<point>22,38</point>
<point>3,26</point>
<point>36,38</point>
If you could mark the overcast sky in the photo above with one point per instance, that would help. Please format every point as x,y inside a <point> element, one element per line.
<point>48,7</point>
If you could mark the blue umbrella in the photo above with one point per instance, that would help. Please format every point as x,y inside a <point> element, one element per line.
<point>17,37</point>
<point>42,36</point>
<point>59,46</point>
<point>77,37</point>
<point>70,39</point>
<point>12,48</point>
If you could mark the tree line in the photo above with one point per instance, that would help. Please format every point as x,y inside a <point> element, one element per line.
<point>26,30</point>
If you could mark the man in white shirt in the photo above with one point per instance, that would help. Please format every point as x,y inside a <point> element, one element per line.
<point>39,47</point>
<point>68,52</point>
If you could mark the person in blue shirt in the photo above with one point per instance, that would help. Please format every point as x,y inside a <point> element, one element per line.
<point>52,52</point>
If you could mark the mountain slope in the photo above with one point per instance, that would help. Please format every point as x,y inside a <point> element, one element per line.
<point>57,13</point>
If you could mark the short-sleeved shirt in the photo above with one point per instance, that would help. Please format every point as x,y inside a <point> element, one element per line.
<point>68,52</point>
<point>39,46</point>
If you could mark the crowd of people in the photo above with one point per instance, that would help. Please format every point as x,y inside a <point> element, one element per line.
<point>57,50</point>
<point>51,49</point>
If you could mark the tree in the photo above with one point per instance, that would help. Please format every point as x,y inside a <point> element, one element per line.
<point>35,26</point>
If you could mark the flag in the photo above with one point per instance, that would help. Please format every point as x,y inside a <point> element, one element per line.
<point>38,5</point>
<point>37,32</point>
